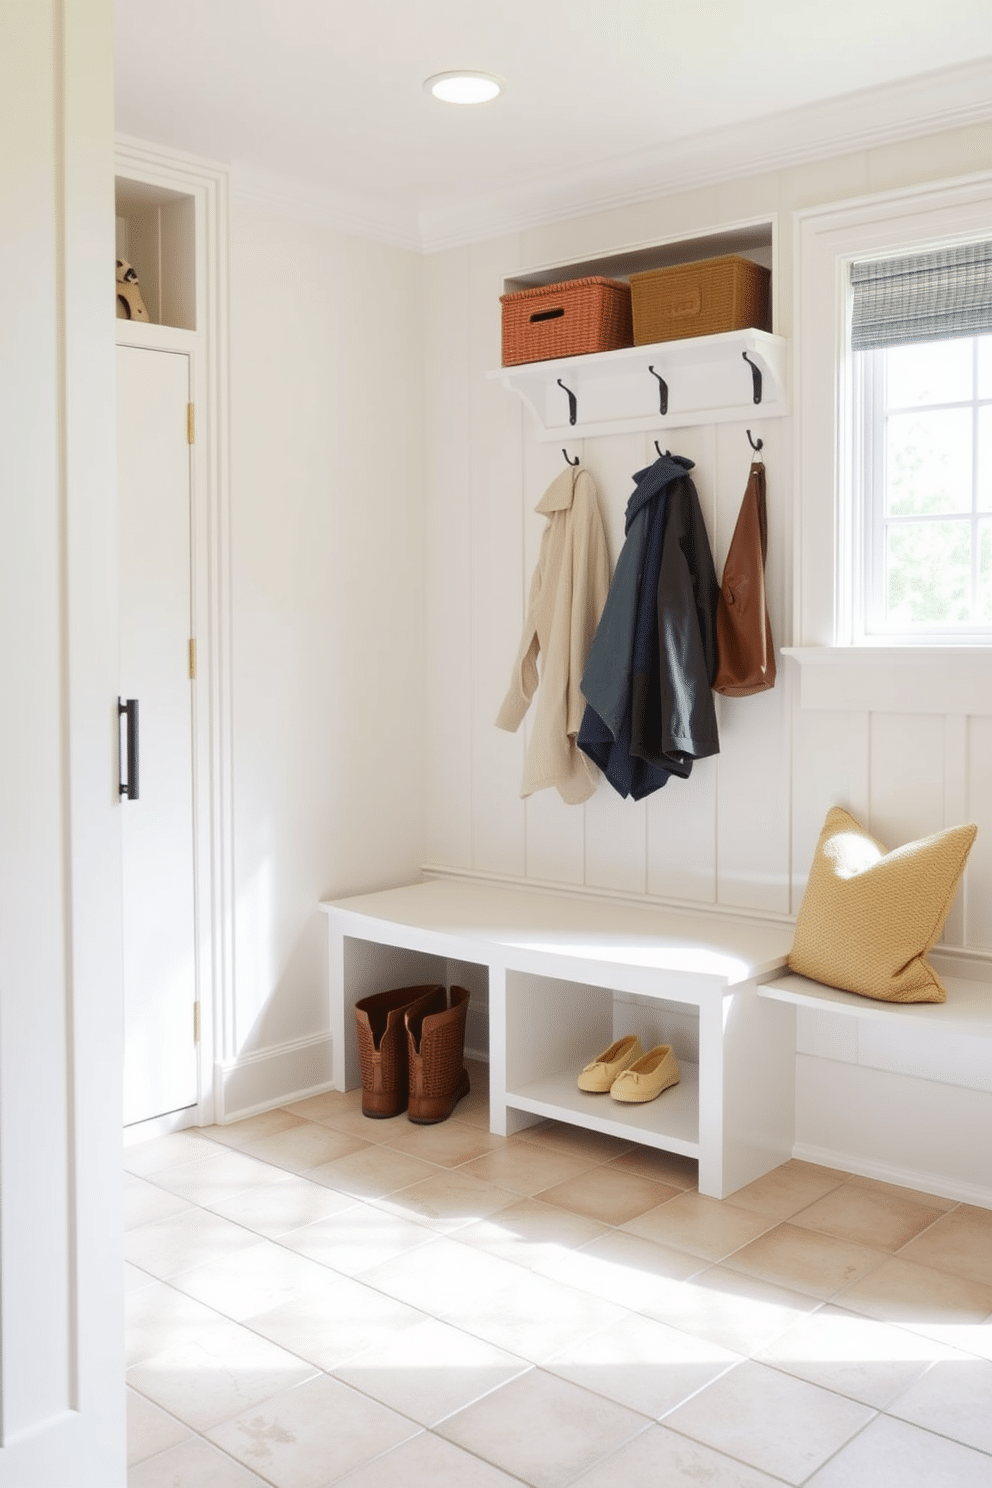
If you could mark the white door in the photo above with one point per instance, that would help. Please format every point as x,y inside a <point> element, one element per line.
<point>157,827</point>
<point>61,1273</point>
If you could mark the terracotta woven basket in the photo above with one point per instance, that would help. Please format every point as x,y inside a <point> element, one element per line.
<point>571,319</point>
<point>699,299</point>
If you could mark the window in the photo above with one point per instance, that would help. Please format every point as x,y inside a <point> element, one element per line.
<point>855,637</point>
<point>923,432</point>
<point>921,385</point>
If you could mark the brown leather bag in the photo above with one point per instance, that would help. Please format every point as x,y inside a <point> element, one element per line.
<point>745,651</point>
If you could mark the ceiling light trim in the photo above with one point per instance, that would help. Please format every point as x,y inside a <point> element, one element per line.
<point>464,86</point>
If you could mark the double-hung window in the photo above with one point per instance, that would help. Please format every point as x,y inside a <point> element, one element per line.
<point>921,339</point>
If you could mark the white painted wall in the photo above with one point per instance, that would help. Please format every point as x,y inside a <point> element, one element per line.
<point>327,523</point>
<point>383,537</point>
<point>739,836</point>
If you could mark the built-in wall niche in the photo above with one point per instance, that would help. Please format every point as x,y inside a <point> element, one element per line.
<point>753,240</point>
<point>156,234</point>
<point>701,380</point>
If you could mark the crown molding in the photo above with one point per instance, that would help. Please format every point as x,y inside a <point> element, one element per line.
<point>143,158</point>
<point>950,99</point>
<point>940,101</point>
<point>362,217</point>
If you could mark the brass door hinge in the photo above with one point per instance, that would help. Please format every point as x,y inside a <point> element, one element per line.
<point>192,660</point>
<point>190,424</point>
<point>196,1022</point>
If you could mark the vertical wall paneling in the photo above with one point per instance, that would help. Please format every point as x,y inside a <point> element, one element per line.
<point>500,580</point>
<point>753,861</point>
<point>739,835</point>
<point>681,817</point>
<point>830,767</point>
<point>978,875</point>
<point>681,845</point>
<point>907,777</point>
<point>555,833</point>
<point>616,829</point>
<point>955,809</point>
<point>450,599</point>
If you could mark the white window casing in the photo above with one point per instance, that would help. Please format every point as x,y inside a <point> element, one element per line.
<point>838,660</point>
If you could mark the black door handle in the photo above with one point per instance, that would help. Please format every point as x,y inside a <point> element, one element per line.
<point>129,711</point>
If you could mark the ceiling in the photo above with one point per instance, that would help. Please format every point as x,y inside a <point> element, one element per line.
<point>321,101</point>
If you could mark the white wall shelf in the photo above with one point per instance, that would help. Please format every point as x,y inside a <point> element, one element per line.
<point>707,377</point>
<point>670,1123</point>
<point>157,235</point>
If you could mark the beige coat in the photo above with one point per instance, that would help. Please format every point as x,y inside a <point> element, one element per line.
<point>567,595</point>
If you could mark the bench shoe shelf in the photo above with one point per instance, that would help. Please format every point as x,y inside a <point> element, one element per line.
<point>564,976</point>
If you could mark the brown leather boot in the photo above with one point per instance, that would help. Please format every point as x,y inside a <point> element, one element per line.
<point>382,1048</point>
<point>436,1049</point>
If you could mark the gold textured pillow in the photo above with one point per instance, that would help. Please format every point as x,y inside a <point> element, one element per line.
<point>869,916</point>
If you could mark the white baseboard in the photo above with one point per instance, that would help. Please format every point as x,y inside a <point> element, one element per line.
<point>923,1182</point>
<point>161,1126</point>
<point>272,1077</point>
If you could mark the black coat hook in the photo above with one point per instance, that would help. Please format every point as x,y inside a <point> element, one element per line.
<point>756,447</point>
<point>573,407</point>
<point>662,391</point>
<point>662,453</point>
<point>567,460</point>
<point>755,376</point>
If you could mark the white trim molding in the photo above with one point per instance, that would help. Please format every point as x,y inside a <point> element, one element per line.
<point>952,98</point>
<point>275,1076</point>
<point>827,240</point>
<point>206,183</point>
<point>895,679</point>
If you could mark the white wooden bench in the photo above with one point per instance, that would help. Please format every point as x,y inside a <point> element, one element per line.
<point>565,975</point>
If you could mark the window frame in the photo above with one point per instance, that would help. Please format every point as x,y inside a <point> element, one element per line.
<point>828,596</point>
<point>871,409</point>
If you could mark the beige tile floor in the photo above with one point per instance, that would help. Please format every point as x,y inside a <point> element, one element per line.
<point>315,1298</point>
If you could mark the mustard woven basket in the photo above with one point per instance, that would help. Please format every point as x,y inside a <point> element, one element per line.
<point>699,299</point>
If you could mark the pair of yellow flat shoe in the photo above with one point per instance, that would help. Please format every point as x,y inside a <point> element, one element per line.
<point>628,1073</point>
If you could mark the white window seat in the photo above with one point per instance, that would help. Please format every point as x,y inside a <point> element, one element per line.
<point>968,1008</point>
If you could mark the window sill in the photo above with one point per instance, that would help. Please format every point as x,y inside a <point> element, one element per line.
<point>895,679</point>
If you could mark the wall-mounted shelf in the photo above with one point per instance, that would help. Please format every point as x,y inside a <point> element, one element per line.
<point>709,380</point>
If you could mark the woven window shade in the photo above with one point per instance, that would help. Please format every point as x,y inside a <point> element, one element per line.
<point>923,297</point>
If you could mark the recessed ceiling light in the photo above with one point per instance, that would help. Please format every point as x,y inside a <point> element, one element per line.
<point>464,87</point>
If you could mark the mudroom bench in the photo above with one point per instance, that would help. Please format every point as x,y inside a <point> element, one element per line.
<point>563,976</point>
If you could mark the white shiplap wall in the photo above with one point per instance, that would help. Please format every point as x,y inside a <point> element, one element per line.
<point>739,835</point>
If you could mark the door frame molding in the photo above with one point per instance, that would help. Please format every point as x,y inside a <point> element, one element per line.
<point>210,531</point>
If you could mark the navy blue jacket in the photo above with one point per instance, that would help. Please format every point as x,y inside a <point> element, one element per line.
<point>647,679</point>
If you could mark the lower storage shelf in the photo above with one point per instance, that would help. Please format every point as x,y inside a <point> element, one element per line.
<point>567,976</point>
<point>670,1123</point>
